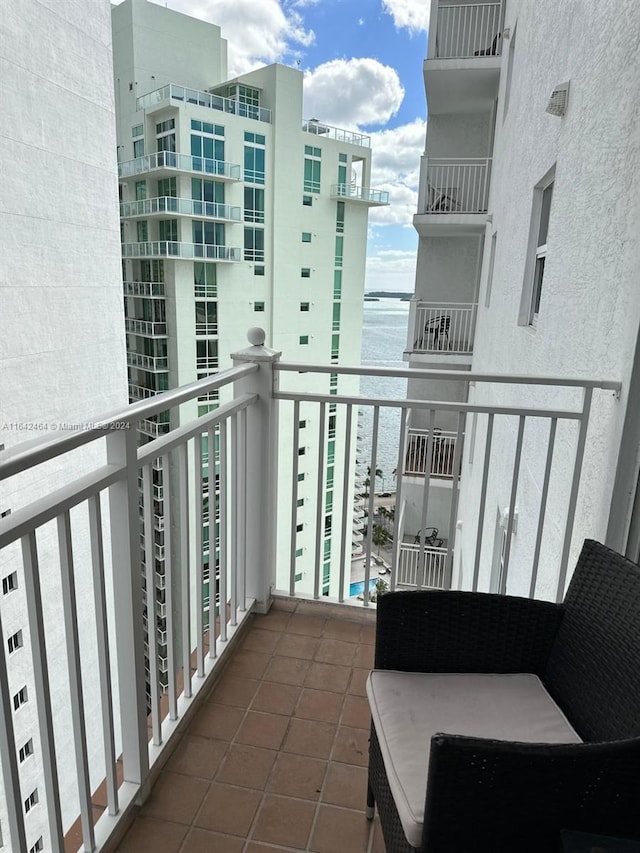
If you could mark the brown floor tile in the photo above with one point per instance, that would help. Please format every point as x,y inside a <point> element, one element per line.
<point>356,713</point>
<point>286,604</point>
<point>297,776</point>
<point>297,646</point>
<point>364,656</point>
<point>276,698</point>
<point>340,830</point>
<point>275,620</point>
<point>234,691</point>
<point>339,629</point>
<point>357,684</point>
<point>336,651</point>
<point>197,756</point>
<point>247,766</point>
<point>368,635</point>
<point>266,730</point>
<point>228,810</point>
<point>319,705</point>
<point>345,786</point>
<point>175,798</point>
<point>308,737</point>
<point>351,746</point>
<point>216,721</point>
<point>202,841</point>
<point>328,676</point>
<point>259,640</point>
<point>312,626</point>
<point>284,821</point>
<point>157,835</point>
<point>287,670</point>
<point>247,664</point>
<point>254,847</point>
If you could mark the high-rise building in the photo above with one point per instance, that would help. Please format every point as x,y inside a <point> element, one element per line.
<point>62,354</point>
<point>528,188</point>
<point>235,212</point>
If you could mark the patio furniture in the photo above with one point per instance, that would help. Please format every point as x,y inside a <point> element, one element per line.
<point>498,722</point>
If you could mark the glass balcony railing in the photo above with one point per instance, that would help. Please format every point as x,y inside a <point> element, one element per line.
<point>172,160</point>
<point>203,99</point>
<point>366,194</point>
<point>175,249</point>
<point>352,137</point>
<point>180,206</point>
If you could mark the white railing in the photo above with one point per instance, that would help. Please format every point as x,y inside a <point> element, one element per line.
<point>458,185</point>
<point>444,327</point>
<point>148,328</point>
<point>318,128</point>
<point>171,161</point>
<point>139,392</point>
<point>147,362</point>
<point>175,249</point>
<point>443,453</point>
<point>422,568</point>
<point>203,99</point>
<point>367,194</point>
<point>468,30</point>
<point>244,479</point>
<point>146,289</point>
<point>180,206</point>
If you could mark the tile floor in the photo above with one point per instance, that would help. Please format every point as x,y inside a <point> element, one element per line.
<point>275,760</point>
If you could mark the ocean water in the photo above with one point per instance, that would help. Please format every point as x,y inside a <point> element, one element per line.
<point>384,336</point>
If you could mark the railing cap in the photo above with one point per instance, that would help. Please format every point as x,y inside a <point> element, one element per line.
<point>257,351</point>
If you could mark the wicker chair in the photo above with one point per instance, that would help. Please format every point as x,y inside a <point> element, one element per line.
<point>505,795</point>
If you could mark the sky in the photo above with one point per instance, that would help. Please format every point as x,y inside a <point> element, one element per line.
<point>362,61</point>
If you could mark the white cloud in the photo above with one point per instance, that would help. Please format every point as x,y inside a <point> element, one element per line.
<point>352,92</point>
<point>395,273</point>
<point>396,168</point>
<point>259,31</point>
<point>410,14</point>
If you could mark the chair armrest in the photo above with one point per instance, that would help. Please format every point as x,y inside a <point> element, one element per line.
<point>497,795</point>
<point>436,631</point>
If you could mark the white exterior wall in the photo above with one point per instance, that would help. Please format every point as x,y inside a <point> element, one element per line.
<point>588,320</point>
<point>62,350</point>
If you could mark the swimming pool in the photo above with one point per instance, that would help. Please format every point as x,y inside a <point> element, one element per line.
<point>358,588</point>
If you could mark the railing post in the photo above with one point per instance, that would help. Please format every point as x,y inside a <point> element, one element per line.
<point>127,599</point>
<point>261,467</point>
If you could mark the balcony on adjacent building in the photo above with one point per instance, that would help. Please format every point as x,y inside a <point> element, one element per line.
<point>260,736</point>
<point>441,331</point>
<point>362,195</point>
<point>166,163</point>
<point>144,289</point>
<point>351,137</point>
<point>150,207</point>
<point>147,362</point>
<point>146,328</point>
<point>177,250</point>
<point>453,197</point>
<point>174,95</point>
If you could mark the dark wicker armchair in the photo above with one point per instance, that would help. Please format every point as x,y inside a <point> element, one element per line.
<point>556,747</point>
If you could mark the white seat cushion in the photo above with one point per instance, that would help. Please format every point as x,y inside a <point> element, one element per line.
<point>409,707</point>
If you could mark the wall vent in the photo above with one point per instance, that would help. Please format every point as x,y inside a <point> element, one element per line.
<point>559,100</point>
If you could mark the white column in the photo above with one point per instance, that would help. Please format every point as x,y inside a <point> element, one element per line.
<point>262,468</point>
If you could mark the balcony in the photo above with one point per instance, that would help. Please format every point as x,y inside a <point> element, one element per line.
<point>147,362</point>
<point>317,128</point>
<point>181,207</point>
<point>454,196</point>
<point>261,734</point>
<point>362,195</point>
<point>167,163</point>
<point>462,69</point>
<point>174,249</point>
<point>161,98</point>
<point>441,452</point>
<point>441,331</point>
<point>146,328</point>
<point>144,289</point>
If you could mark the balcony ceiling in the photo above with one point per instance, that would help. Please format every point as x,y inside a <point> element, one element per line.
<point>461,85</point>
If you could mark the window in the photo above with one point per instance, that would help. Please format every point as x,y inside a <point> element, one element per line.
<point>254,244</point>
<point>332,426</point>
<point>337,284</point>
<point>166,141</point>
<point>306,236</point>
<point>204,280</point>
<point>300,502</point>
<point>141,190</point>
<point>168,230</point>
<point>304,339</point>
<point>302,424</point>
<point>492,258</point>
<point>26,750</point>
<point>537,250</point>
<point>138,148</point>
<point>336,316</point>
<point>299,528</point>
<point>38,846</point>
<point>299,552</point>
<point>253,204</point>
<point>327,525</point>
<point>258,270</point>
<point>9,583</point>
<point>302,451</point>
<point>339,251</point>
<point>254,158</point>
<point>304,306</point>
<point>167,187</point>
<point>331,452</point>
<point>307,200</point>
<point>206,318</point>
<point>15,642</point>
<point>342,158</point>
<point>301,478</point>
<point>340,217</point>
<point>31,800</point>
<point>142,231</point>
<point>165,126</point>
<point>207,147</point>
<point>207,354</point>
<point>258,306</point>
<point>138,130</point>
<point>305,272</point>
<point>312,167</point>
<point>210,192</point>
<point>20,698</point>
<point>510,62</point>
<point>328,504</point>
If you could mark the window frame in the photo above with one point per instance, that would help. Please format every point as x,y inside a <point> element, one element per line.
<point>532,287</point>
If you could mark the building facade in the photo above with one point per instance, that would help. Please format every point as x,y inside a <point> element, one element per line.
<point>528,198</point>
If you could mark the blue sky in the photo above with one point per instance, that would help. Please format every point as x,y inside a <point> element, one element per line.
<point>362,61</point>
